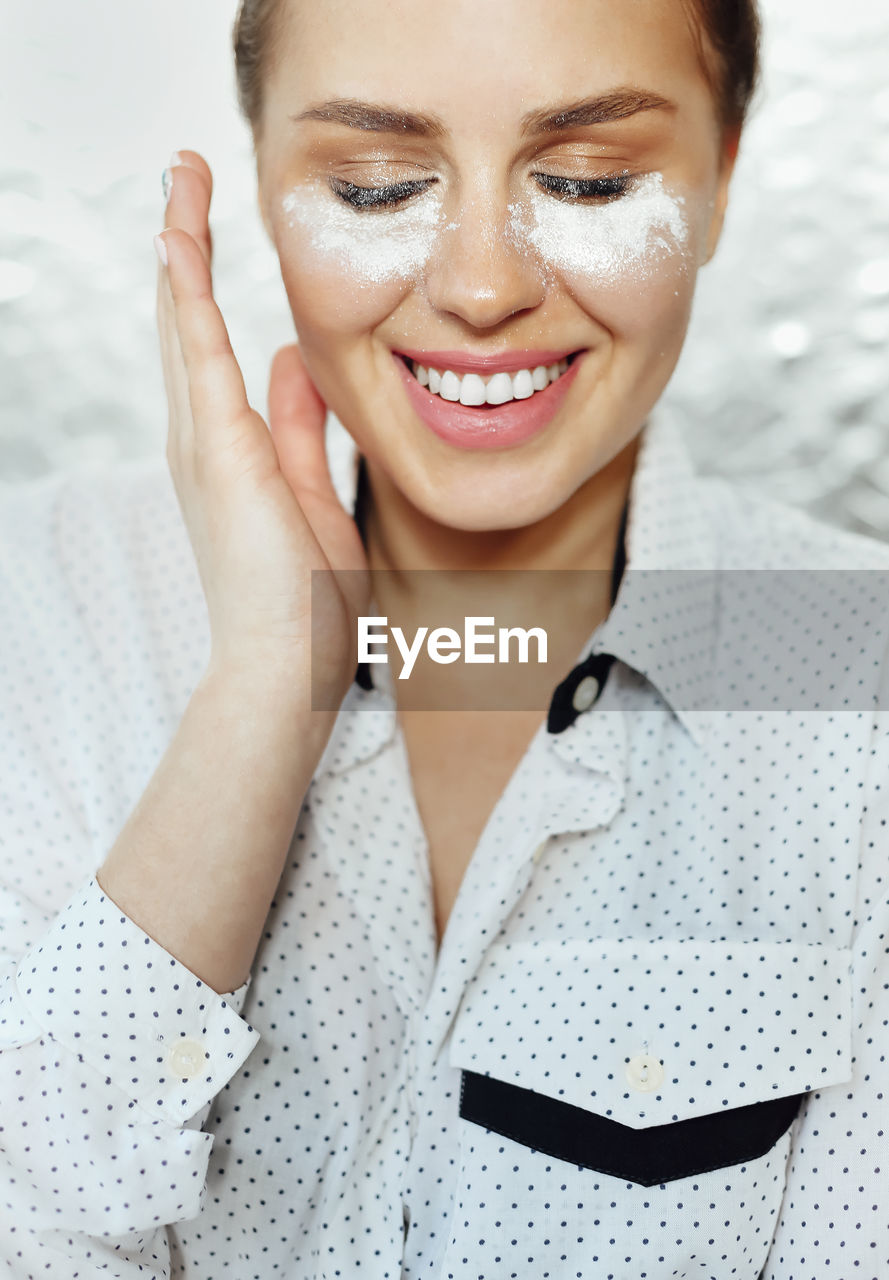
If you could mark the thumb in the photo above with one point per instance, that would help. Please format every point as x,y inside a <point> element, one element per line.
<point>297,416</point>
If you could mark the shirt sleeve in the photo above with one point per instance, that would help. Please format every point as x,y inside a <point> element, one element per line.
<point>834,1220</point>
<point>111,1052</point>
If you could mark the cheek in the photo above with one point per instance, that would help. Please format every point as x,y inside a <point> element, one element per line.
<point>630,264</point>
<point>645,311</point>
<point>346,271</point>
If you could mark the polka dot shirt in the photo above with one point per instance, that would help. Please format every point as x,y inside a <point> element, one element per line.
<point>653,1041</point>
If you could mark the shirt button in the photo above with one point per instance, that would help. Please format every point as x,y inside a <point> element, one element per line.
<point>585,694</point>
<point>645,1073</point>
<point>186,1058</point>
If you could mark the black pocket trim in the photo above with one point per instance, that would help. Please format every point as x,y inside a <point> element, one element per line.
<point>648,1157</point>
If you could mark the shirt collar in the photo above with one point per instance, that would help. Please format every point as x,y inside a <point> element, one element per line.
<point>662,623</point>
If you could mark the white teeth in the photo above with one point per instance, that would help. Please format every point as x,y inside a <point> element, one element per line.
<point>450,386</point>
<point>472,389</point>
<point>522,384</point>
<point>500,388</point>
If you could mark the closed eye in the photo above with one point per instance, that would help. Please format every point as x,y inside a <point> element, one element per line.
<point>599,189</point>
<point>378,197</point>
<point>365,198</point>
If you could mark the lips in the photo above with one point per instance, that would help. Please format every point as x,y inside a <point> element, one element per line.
<point>498,388</point>
<point>488,425</point>
<point>506,361</point>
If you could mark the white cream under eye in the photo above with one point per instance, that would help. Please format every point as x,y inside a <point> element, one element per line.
<point>375,246</point>
<point>606,240</point>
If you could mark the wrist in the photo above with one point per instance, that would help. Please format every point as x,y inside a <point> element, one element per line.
<point>270,698</point>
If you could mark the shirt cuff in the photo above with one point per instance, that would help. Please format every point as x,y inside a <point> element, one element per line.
<point>106,991</point>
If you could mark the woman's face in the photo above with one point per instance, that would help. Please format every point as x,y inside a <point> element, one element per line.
<point>553,176</point>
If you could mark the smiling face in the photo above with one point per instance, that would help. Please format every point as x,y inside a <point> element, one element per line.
<point>529,181</point>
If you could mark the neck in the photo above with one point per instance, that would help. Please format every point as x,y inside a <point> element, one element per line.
<point>581,535</point>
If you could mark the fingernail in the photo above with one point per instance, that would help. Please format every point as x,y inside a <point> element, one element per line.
<point>175,158</point>
<point>161,249</point>
<point>167,182</point>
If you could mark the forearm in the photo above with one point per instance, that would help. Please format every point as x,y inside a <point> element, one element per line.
<point>197,864</point>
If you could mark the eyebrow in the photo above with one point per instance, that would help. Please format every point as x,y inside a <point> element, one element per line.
<point>377,119</point>
<point>618,104</point>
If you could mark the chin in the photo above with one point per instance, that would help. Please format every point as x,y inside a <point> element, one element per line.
<point>489,509</point>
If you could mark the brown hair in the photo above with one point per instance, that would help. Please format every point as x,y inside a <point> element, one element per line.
<point>732,30</point>
<point>727,33</point>
<point>257,29</point>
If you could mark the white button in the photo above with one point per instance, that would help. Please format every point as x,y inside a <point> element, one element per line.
<point>585,694</point>
<point>538,852</point>
<point>186,1058</point>
<point>645,1073</point>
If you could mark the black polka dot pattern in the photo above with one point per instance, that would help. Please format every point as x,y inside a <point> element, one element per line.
<point>674,912</point>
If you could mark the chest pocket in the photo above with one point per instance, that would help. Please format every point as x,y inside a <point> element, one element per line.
<point>651,1061</point>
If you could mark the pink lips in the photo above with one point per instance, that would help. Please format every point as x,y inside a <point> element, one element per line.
<point>492,427</point>
<point>465,362</point>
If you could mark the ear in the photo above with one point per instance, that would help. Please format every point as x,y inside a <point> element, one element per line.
<point>728,156</point>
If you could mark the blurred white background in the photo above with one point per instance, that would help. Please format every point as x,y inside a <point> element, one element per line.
<point>784,383</point>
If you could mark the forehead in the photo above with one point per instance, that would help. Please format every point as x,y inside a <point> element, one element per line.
<point>474,62</point>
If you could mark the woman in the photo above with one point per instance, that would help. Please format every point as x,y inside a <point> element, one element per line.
<point>563,990</point>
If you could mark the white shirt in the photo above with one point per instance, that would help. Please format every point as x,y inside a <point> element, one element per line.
<point>653,1042</point>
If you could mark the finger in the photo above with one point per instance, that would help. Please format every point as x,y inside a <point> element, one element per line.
<point>297,415</point>
<point>216,393</point>
<point>194,160</point>
<point>180,427</point>
<point>188,205</point>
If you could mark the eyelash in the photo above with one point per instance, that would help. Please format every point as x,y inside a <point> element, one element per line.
<point>378,197</point>
<point>600,190</point>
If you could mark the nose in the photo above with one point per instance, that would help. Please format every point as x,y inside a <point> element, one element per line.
<point>480,271</point>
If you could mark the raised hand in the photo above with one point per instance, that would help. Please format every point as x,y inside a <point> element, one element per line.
<point>259,505</point>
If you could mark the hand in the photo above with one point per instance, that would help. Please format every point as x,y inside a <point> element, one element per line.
<point>260,509</point>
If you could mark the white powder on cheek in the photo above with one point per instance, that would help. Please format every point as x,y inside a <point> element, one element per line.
<point>625,235</point>
<point>372,245</point>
